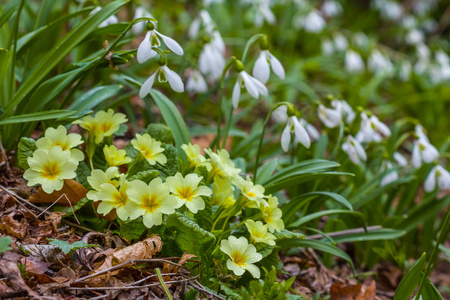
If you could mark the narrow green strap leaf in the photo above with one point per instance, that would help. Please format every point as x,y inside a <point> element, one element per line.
<point>330,212</point>
<point>409,283</point>
<point>52,58</point>
<point>8,10</point>
<point>38,116</point>
<point>95,96</point>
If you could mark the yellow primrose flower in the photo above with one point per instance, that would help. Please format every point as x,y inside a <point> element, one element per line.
<point>193,154</point>
<point>98,177</point>
<point>272,214</point>
<point>149,148</point>
<point>222,165</point>
<point>242,256</point>
<point>151,201</point>
<point>258,232</point>
<point>115,157</point>
<point>254,193</point>
<point>113,198</point>
<point>50,168</point>
<point>223,192</point>
<point>59,137</point>
<point>188,192</point>
<point>103,124</point>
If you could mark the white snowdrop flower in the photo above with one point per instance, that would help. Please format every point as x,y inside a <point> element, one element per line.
<point>263,12</point>
<point>331,8</point>
<point>414,36</point>
<point>404,72</point>
<point>442,57</point>
<point>312,131</point>
<point>253,86</point>
<point>196,83</point>
<point>211,62</point>
<point>409,21</point>
<point>279,115</point>
<point>217,41</point>
<point>420,132</point>
<point>423,151</point>
<point>391,10</point>
<point>353,62</point>
<point>140,12</point>
<point>400,159</point>
<point>423,52</point>
<point>164,75</point>
<point>372,130</point>
<point>203,19</point>
<point>421,66</point>
<point>391,176</point>
<point>152,39</point>
<point>354,150</point>
<point>327,47</point>
<point>378,63</point>
<point>264,63</point>
<point>329,117</point>
<point>345,110</point>
<point>301,135</point>
<point>111,20</point>
<point>341,42</point>
<point>313,22</point>
<point>437,175</point>
<point>360,39</point>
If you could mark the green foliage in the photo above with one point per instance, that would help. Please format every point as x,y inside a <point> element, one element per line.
<point>160,132</point>
<point>269,288</point>
<point>4,244</point>
<point>145,176</point>
<point>409,283</point>
<point>83,173</point>
<point>131,230</point>
<point>70,249</point>
<point>25,149</point>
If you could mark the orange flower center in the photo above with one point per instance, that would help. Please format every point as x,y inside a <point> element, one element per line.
<point>51,170</point>
<point>151,203</point>
<point>238,258</point>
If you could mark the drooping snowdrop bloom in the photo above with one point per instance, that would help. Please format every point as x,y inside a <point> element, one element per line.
<point>391,174</point>
<point>264,62</point>
<point>405,70</point>
<point>360,39</point>
<point>331,8</point>
<point>372,130</point>
<point>329,117</point>
<point>400,159</point>
<point>111,20</point>
<point>378,63</point>
<point>196,83</point>
<point>341,42</point>
<point>423,151</point>
<point>414,36</point>
<point>312,131</point>
<point>354,150</point>
<point>353,62</point>
<point>152,39</point>
<point>437,175</point>
<point>279,115</point>
<point>242,256</point>
<point>140,12</point>
<point>345,110</point>
<point>263,12</point>
<point>389,10</point>
<point>202,20</point>
<point>294,126</point>
<point>420,131</point>
<point>211,61</point>
<point>327,47</point>
<point>253,86</point>
<point>312,22</point>
<point>164,75</point>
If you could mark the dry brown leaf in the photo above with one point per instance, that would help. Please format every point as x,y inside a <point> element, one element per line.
<point>339,291</point>
<point>72,191</point>
<point>35,266</point>
<point>13,227</point>
<point>10,268</point>
<point>45,253</point>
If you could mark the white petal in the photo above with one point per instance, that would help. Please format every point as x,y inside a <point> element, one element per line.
<point>171,44</point>
<point>262,90</point>
<point>145,51</point>
<point>249,84</point>
<point>174,80</point>
<point>236,94</point>
<point>277,67</point>
<point>400,159</point>
<point>430,153</point>
<point>430,182</point>
<point>147,86</point>
<point>360,150</point>
<point>301,134</point>
<point>286,138</point>
<point>313,132</point>
<point>416,159</point>
<point>444,179</point>
<point>261,70</point>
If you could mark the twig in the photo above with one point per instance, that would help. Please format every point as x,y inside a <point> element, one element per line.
<point>15,198</point>
<point>196,285</point>
<point>120,266</point>
<point>343,232</point>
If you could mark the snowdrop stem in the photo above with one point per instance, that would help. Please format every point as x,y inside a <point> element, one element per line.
<point>441,238</point>
<point>229,63</point>
<point>249,43</point>
<point>338,141</point>
<point>262,136</point>
<point>162,56</point>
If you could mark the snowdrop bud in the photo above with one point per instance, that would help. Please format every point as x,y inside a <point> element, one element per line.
<point>313,22</point>
<point>423,151</point>
<point>329,117</point>
<point>279,115</point>
<point>437,175</point>
<point>301,135</point>
<point>353,62</point>
<point>196,83</point>
<point>354,150</point>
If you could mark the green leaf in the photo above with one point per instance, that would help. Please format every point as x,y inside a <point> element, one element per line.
<point>94,97</point>
<point>25,149</point>
<point>8,10</point>
<point>4,244</point>
<point>38,116</point>
<point>204,217</point>
<point>70,211</point>
<point>66,248</point>
<point>430,292</point>
<point>409,283</point>
<point>131,230</point>
<point>373,235</point>
<point>190,236</point>
<point>160,132</point>
<point>145,176</point>
<point>52,58</point>
<point>266,171</point>
<point>310,217</point>
<point>170,168</point>
<point>5,57</point>
<point>83,173</point>
<point>173,119</point>
<point>288,235</point>
<point>317,245</point>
